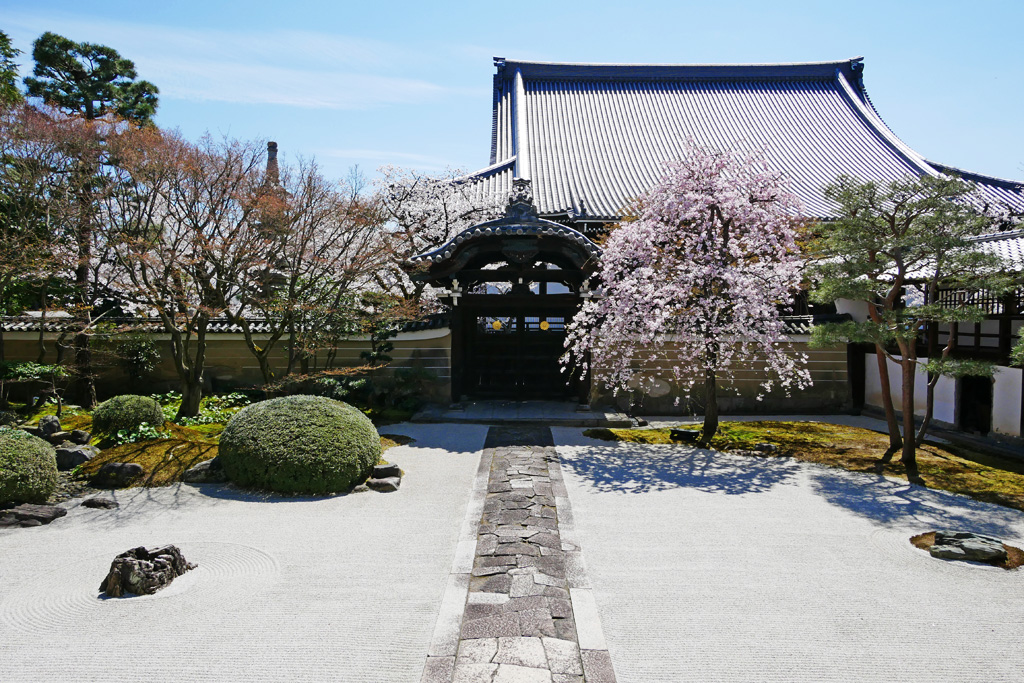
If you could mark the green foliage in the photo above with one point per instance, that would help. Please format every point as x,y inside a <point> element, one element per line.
<point>144,432</point>
<point>408,388</point>
<point>892,239</point>
<point>28,467</point>
<point>126,412</point>
<point>217,409</point>
<point>9,92</point>
<point>960,367</point>
<point>214,409</point>
<point>299,444</point>
<point>169,403</point>
<point>1017,355</point>
<point>27,371</point>
<point>137,354</point>
<point>88,79</point>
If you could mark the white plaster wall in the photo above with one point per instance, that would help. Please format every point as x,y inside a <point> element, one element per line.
<point>857,309</point>
<point>945,390</point>
<point>1006,405</point>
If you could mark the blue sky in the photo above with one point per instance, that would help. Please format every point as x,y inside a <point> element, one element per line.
<point>409,83</point>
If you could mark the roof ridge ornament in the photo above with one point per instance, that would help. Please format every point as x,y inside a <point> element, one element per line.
<point>520,200</point>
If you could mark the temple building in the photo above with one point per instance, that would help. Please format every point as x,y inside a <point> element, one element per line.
<point>572,144</point>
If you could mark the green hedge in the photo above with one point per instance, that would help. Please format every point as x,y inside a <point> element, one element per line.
<point>126,412</point>
<point>28,467</point>
<point>299,444</point>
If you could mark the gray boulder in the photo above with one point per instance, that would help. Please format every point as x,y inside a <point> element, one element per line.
<point>80,436</point>
<point>385,485</point>
<point>385,471</point>
<point>57,438</point>
<point>102,503</point>
<point>964,545</point>
<point>70,457</point>
<point>26,515</point>
<point>208,472</point>
<point>115,475</point>
<point>49,424</point>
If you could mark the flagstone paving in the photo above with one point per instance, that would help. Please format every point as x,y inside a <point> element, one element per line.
<point>528,615</point>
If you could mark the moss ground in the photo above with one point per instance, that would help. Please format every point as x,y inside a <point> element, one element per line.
<point>943,466</point>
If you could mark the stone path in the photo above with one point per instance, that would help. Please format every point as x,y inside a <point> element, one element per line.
<point>529,614</point>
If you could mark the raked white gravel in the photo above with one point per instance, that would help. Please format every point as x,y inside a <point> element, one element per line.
<point>342,588</point>
<point>711,567</point>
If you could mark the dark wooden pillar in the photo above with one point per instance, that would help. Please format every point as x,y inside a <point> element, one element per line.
<point>856,369</point>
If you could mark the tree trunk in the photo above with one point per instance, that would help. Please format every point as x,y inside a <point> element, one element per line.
<point>264,363</point>
<point>933,379</point>
<point>895,441</point>
<point>909,456</point>
<point>929,409</point>
<point>710,408</point>
<point>41,340</point>
<point>292,338</point>
<point>85,393</point>
<point>191,397</point>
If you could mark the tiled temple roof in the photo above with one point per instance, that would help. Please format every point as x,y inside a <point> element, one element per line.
<point>591,136</point>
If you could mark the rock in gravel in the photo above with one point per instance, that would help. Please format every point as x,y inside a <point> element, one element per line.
<point>102,503</point>
<point>765,447</point>
<point>964,545</point>
<point>385,471</point>
<point>49,424</point>
<point>70,457</point>
<point>386,484</point>
<point>144,571</point>
<point>207,472</point>
<point>115,475</point>
<point>26,514</point>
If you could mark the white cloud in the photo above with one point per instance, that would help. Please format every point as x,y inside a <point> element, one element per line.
<point>292,68</point>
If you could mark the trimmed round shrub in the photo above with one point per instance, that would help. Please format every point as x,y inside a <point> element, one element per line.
<point>28,467</point>
<point>299,444</point>
<point>126,412</point>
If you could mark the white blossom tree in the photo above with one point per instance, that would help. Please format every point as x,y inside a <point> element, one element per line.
<point>693,285</point>
<point>423,212</point>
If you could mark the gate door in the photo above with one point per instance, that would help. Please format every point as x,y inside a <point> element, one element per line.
<point>516,356</point>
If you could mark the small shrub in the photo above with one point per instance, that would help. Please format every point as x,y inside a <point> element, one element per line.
<point>144,432</point>
<point>216,409</point>
<point>126,412</point>
<point>299,444</point>
<point>28,468</point>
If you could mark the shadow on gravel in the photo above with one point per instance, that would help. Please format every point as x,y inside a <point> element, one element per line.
<point>630,468</point>
<point>895,503</point>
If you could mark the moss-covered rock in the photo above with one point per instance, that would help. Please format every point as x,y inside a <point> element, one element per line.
<point>28,467</point>
<point>126,412</point>
<point>299,444</point>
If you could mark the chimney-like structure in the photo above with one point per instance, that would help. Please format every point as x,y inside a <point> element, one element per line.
<point>272,175</point>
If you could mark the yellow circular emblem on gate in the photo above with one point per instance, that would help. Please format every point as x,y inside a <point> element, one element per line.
<point>544,324</point>
<point>496,324</point>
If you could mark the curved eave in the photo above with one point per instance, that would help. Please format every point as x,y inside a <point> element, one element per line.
<point>503,226</point>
